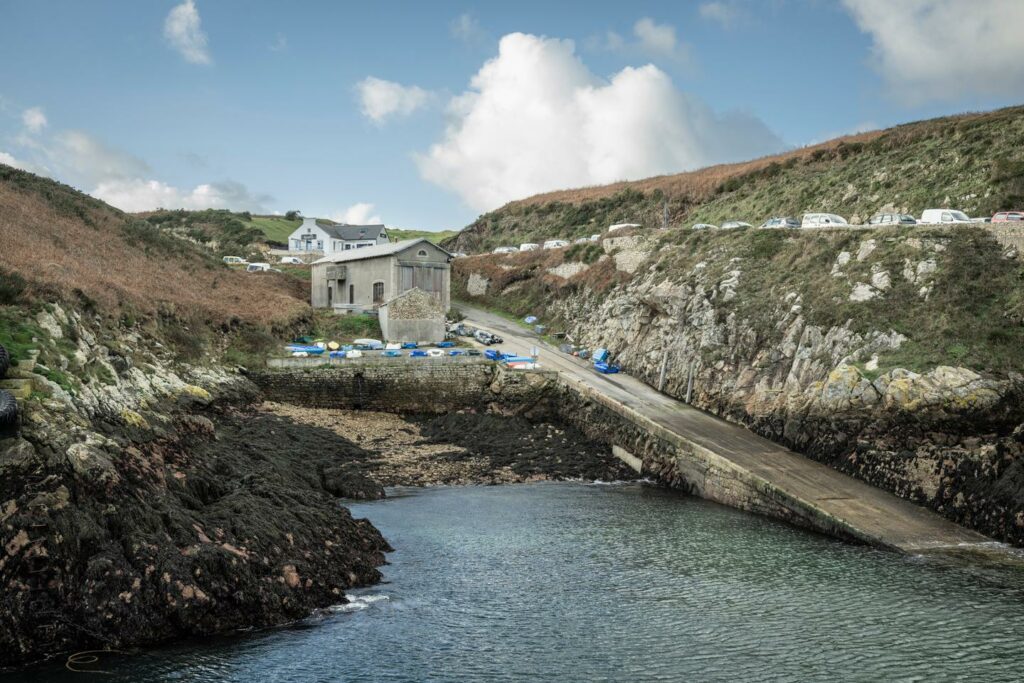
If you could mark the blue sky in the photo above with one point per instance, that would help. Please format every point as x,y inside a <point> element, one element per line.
<point>268,106</point>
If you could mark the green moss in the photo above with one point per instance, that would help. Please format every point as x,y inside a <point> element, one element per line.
<point>18,332</point>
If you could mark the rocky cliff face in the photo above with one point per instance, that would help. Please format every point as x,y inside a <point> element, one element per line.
<point>136,503</point>
<point>883,354</point>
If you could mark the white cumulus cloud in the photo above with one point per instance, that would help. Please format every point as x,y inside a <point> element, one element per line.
<point>649,38</point>
<point>381,100</point>
<point>11,160</point>
<point>86,159</point>
<point>138,194</point>
<point>34,119</point>
<point>183,30</point>
<point>933,50</point>
<point>357,214</point>
<point>466,28</point>
<point>536,119</point>
<point>655,37</point>
<point>724,13</point>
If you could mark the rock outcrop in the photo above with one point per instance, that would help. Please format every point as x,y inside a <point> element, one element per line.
<point>137,505</point>
<point>765,348</point>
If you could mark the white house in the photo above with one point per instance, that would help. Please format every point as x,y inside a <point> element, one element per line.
<point>330,239</point>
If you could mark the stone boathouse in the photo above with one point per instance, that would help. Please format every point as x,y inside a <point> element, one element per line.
<point>361,280</point>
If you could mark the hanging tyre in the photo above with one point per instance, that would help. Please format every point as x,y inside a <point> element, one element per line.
<point>8,412</point>
<point>5,362</point>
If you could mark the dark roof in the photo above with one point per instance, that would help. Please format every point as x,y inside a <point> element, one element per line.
<point>353,232</point>
<point>378,250</point>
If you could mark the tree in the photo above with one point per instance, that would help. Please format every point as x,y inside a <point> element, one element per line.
<point>293,215</point>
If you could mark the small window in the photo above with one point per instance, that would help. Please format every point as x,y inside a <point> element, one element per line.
<point>378,292</point>
<point>421,252</point>
<point>319,244</point>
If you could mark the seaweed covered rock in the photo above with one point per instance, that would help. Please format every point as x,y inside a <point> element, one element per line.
<point>206,524</point>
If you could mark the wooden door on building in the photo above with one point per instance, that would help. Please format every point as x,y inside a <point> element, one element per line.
<point>430,280</point>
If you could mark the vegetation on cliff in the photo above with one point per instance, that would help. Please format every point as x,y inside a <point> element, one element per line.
<point>973,162</point>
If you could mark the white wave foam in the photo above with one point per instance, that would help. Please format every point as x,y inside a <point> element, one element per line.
<point>357,603</point>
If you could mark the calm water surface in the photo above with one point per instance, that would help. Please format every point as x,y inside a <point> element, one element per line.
<point>576,582</point>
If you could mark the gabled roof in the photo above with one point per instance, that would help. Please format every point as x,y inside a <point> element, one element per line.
<point>353,232</point>
<point>377,250</point>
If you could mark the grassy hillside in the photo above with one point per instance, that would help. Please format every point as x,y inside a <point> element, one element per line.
<point>62,244</point>
<point>972,162</point>
<point>274,228</point>
<point>398,234</point>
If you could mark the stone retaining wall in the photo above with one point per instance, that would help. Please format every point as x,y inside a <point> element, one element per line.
<point>430,386</point>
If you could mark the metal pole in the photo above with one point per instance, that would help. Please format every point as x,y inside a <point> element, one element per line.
<point>689,383</point>
<point>664,365</point>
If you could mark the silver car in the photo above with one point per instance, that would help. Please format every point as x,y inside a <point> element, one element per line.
<point>893,219</point>
<point>704,226</point>
<point>733,225</point>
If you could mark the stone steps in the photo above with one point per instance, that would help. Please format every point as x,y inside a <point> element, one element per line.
<point>21,388</point>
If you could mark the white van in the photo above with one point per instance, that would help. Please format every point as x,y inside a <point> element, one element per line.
<point>257,268</point>
<point>233,260</point>
<point>944,216</point>
<point>821,220</point>
<point>529,246</point>
<point>555,244</point>
<point>623,226</point>
<point>505,250</point>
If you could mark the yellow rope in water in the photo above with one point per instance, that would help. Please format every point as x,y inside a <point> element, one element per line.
<point>88,657</point>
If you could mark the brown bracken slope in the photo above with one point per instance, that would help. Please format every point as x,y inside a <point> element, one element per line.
<point>65,243</point>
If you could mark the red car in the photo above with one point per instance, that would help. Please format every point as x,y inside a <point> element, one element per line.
<point>1008,217</point>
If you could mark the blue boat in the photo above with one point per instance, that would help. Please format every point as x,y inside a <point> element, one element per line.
<point>409,345</point>
<point>445,344</point>
<point>392,353</point>
<point>310,349</point>
<point>418,354</point>
<point>606,368</point>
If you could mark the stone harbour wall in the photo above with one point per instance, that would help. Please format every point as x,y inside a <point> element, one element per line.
<point>429,386</point>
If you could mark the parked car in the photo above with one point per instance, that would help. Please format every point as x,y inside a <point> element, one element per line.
<point>733,225</point>
<point>233,260</point>
<point>1008,217</point>
<point>821,220</point>
<point>555,244</point>
<point>704,226</point>
<point>595,238</point>
<point>581,240</point>
<point>257,268</point>
<point>291,260</point>
<point>506,250</point>
<point>529,246</point>
<point>486,338</point>
<point>892,219</point>
<point>944,216</point>
<point>623,226</point>
<point>982,219</point>
<point>783,222</point>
